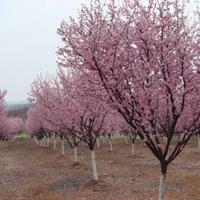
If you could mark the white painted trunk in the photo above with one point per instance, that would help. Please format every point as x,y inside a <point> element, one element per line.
<point>98,143</point>
<point>165,139</point>
<point>162,187</point>
<point>54,142</point>
<point>94,166</point>
<point>126,139</point>
<point>198,148</point>
<point>111,144</point>
<point>75,154</point>
<point>62,147</point>
<point>48,141</point>
<point>36,140</point>
<point>41,142</point>
<point>133,149</point>
<point>45,141</point>
<point>103,140</point>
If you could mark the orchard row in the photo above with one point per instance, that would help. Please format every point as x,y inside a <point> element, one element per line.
<point>9,126</point>
<point>129,68</point>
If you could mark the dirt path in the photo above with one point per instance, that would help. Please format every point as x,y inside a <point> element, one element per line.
<point>28,172</point>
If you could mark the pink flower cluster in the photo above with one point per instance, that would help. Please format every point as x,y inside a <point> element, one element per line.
<point>9,127</point>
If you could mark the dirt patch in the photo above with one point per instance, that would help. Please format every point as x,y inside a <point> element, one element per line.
<point>28,172</point>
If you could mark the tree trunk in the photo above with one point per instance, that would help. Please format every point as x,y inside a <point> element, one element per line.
<point>75,154</point>
<point>62,147</point>
<point>162,187</point>
<point>98,143</point>
<point>45,141</point>
<point>126,139</point>
<point>198,143</point>
<point>103,138</point>
<point>165,139</point>
<point>94,166</point>
<point>133,149</point>
<point>54,142</point>
<point>48,141</point>
<point>36,140</point>
<point>163,165</point>
<point>111,145</point>
<point>40,143</point>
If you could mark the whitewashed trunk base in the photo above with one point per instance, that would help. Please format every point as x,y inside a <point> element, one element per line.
<point>198,149</point>
<point>54,143</point>
<point>111,144</point>
<point>62,148</point>
<point>36,140</point>
<point>75,154</point>
<point>162,187</point>
<point>45,141</point>
<point>126,139</point>
<point>48,141</point>
<point>98,143</point>
<point>94,166</point>
<point>133,149</point>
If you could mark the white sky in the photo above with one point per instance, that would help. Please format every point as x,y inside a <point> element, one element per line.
<point>28,41</point>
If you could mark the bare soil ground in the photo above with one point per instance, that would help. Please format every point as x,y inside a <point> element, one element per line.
<point>29,172</point>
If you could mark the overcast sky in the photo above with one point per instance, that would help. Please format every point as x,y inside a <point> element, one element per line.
<point>28,41</point>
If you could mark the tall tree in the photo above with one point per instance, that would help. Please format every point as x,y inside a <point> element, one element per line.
<point>145,57</point>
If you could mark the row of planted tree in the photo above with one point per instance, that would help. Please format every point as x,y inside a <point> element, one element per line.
<point>73,109</point>
<point>124,67</point>
<point>9,126</point>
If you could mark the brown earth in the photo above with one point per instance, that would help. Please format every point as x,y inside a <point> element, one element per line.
<point>29,172</point>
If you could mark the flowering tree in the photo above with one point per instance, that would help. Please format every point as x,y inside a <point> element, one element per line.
<point>73,107</point>
<point>145,58</point>
<point>91,110</point>
<point>46,98</point>
<point>33,123</point>
<point>129,132</point>
<point>3,125</point>
<point>3,118</point>
<point>14,126</point>
<point>112,125</point>
<point>2,95</point>
<point>54,97</point>
<point>9,127</point>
